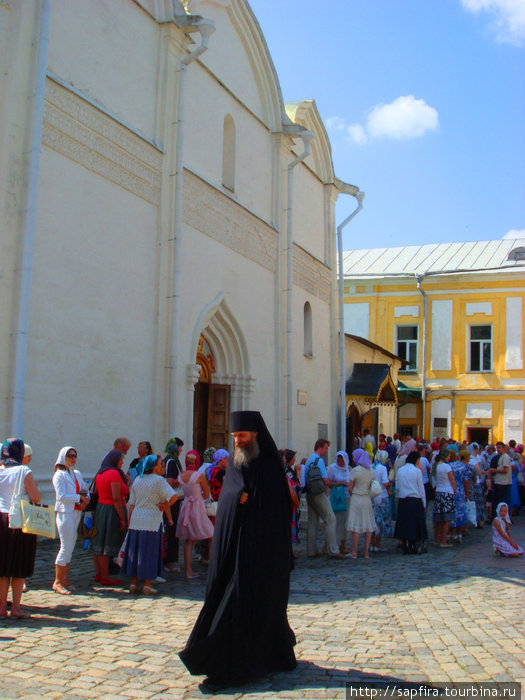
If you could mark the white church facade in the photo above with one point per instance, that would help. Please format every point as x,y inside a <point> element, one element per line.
<point>167,231</point>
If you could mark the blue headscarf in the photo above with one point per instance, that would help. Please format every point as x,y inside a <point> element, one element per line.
<point>146,465</point>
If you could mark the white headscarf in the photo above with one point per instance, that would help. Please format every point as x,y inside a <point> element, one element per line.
<point>507,517</point>
<point>381,457</point>
<point>61,459</point>
<point>345,457</point>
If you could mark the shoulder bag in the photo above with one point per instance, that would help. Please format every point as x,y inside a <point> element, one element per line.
<point>38,520</point>
<point>375,489</point>
<point>15,510</point>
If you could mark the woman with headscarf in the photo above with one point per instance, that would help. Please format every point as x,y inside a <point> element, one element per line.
<point>216,475</point>
<point>360,513</point>
<point>458,463</point>
<point>144,449</point>
<point>194,523</point>
<point>173,471</point>
<point>150,494</point>
<point>71,499</point>
<point>411,528</point>
<point>17,549</point>
<point>502,542</point>
<point>476,482</point>
<point>381,503</point>
<point>110,515</point>
<point>338,475</point>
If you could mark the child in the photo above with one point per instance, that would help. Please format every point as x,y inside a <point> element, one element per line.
<point>502,542</point>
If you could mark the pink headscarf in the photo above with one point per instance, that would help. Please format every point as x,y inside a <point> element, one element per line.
<point>197,460</point>
<point>408,447</point>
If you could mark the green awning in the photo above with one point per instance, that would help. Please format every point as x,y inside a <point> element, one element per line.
<point>409,391</point>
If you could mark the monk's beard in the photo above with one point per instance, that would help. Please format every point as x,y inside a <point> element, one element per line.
<point>243,455</point>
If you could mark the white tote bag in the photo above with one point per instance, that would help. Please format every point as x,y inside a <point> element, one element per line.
<point>15,510</point>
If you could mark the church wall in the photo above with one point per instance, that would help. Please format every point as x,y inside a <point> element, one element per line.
<point>92,318</point>
<point>311,375</point>
<point>109,52</point>
<point>230,59</point>
<point>204,142</point>
<point>308,212</point>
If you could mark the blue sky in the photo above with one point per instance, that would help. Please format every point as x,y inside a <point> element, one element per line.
<point>424,103</point>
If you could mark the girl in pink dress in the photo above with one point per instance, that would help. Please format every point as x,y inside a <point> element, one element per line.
<point>502,541</point>
<point>193,523</point>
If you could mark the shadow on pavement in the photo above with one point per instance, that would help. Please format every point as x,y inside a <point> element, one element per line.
<point>76,617</point>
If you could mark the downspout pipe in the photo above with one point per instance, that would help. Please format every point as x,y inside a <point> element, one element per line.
<point>205,29</point>
<point>26,267</point>
<point>419,280</point>
<point>359,196</point>
<point>306,137</point>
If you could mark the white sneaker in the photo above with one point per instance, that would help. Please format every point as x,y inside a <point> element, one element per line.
<point>159,579</point>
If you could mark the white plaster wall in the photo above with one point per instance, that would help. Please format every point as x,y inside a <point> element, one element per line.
<point>357,319</point>
<point>440,408</point>
<point>228,57</point>
<point>312,375</point>
<point>308,212</point>
<point>441,350</point>
<point>513,420</point>
<point>92,317</point>
<point>204,138</point>
<point>108,50</point>
<point>514,333</point>
<point>478,410</point>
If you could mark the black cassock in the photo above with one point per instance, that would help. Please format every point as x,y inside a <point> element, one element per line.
<point>242,630</point>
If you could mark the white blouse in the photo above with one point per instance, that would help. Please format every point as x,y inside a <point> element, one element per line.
<point>65,489</point>
<point>8,477</point>
<point>146,493</point>
<point>409,483</point>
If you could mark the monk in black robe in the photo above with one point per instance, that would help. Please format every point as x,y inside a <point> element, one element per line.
<point>242,631</point>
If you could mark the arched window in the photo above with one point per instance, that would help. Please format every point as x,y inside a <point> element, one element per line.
<point>308,349</point>
<point>228,153</point>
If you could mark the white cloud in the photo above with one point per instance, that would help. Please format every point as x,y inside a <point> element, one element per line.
<point>357,133</point>
<point>404,118</point>
<point>514,234</point>
<point>510,17</point>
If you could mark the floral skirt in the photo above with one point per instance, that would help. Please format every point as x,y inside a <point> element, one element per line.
<point>382,515</point>
<point>444,508</point>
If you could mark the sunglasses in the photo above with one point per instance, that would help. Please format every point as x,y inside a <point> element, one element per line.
<point>71,455</point>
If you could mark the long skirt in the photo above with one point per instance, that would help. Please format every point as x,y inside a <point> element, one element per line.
<point>480,502</point>
<point>108,540</point>
<point>143,554</point>
<point>382,517</point>
<point>410,523</point>
<point>17,551</point>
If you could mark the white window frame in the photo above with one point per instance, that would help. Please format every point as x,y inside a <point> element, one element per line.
<point>480,342</point>
<point>412,342</point>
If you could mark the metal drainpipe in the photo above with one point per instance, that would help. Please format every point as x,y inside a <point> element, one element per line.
<point>206,29</point>
<point>26,267</point>
<point>419,279</point>
<point>342,358</point>
<point>306,136</point>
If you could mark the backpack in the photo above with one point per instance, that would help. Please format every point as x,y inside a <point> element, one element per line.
<point>314,480</point>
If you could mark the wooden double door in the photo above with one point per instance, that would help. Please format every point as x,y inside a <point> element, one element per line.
<point>211,416</point>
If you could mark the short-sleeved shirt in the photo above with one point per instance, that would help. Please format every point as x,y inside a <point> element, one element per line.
<point>147,492</point>
<point>8,477</point>
<point>443,484</point>
<point>504,479</point>
<point>104,481</point>
<point>382,477</point>
<point>425,465</point>
<point>311,460</point>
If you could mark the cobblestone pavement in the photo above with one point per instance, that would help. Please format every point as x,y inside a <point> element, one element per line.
<point>453,614</point>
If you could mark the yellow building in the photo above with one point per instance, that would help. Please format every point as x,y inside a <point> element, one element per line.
<point>455,313</point>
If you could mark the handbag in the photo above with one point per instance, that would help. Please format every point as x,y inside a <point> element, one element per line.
<point>38,520</point>
<point>211,508</point>
<point>338,499</point>
<point>93,496</point>
<point>86,527</point>
<point>15,511</point>
<point>120,557</point>
<point>375,489</point>
<point>471,512</point>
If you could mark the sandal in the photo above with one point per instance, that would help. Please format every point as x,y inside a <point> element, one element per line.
<point>20,616</point>
<point>70,587</point>
<point>59,588</point>
<point>149,590</point>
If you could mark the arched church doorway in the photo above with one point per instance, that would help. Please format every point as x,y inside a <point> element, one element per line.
<point>369,421</point>
<point>211,404</point>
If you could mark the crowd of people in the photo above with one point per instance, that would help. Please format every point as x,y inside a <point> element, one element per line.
<point>136,518</point>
